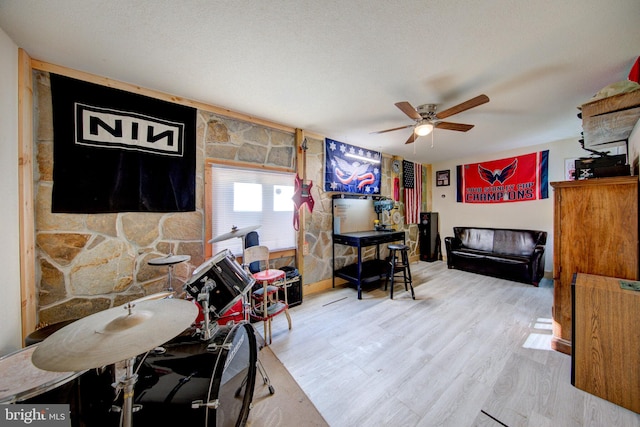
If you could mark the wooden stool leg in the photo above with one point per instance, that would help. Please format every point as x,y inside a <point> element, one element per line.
<point>408,274</point>
<point>405,269</point>
<point>286,301</point>
<point>286,312</point>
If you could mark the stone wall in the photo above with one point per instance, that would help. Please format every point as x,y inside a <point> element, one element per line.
<point>87,263</point>
<point>90,262</point>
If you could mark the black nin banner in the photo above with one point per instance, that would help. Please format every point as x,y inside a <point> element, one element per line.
<point>116,151</point>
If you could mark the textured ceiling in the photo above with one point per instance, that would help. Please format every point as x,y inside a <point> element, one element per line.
<point>336,67</point>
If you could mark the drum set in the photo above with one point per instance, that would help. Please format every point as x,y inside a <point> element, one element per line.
<point>156,360</point>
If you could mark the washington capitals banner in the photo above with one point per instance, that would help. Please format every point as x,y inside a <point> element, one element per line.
<point>514,179</point>
<point>116,151</point>
<point>351,169</point>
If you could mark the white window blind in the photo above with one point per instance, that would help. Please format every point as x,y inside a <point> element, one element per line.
<point>247,197</point>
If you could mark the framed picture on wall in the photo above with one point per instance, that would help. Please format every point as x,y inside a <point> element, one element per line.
<point>442,178</point>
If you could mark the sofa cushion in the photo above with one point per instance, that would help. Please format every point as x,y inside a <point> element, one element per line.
<point>470,253</point>
<point>480,239</point>
<point>514,242</point>
<point>508,259</point>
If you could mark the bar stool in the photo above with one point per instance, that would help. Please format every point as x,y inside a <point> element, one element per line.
<point>399,265</point>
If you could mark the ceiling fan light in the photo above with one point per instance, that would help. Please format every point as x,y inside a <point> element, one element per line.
<point>423,129</point>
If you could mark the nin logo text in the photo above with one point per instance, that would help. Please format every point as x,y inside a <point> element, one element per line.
<point>125,130</point>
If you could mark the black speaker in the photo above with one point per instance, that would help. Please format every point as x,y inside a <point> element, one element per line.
<point>294,291</point>
<point>429,237</point>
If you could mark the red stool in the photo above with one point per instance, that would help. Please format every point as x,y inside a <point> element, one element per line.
<point>264,300</point>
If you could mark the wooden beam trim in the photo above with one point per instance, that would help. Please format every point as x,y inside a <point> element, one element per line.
<point>300,234</point>
<point>236,164</point>
<point>25,195</point>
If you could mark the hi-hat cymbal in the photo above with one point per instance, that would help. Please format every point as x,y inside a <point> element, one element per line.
<point>114,335</point>
<point>235,232</point>
<point>169,259</point>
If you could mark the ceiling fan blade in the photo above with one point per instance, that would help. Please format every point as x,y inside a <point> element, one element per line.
<point>460,127</point>
<point>412,138</point>
<point>391,130</point>
<point>473,102</point>
<point>408,109</point>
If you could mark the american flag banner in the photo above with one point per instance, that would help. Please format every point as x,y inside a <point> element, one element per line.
<point>412,179</point>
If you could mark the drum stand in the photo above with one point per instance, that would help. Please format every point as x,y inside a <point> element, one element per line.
<point>203,299</point>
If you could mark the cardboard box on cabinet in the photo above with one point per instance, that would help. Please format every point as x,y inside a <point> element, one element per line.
<point>609,121</point>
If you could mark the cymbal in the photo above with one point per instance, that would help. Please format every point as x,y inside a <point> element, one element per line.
<point>235,232</point>
<point>114,335</point>
<point>151,297</point>
<point>169,259</point>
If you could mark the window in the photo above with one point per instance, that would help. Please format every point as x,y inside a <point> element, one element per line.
<point>248,197</point>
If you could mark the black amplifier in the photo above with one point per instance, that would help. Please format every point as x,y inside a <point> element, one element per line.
<point>602,167</point>
<point>294,289</point>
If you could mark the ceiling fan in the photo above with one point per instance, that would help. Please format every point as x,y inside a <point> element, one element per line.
<point>426,118</point>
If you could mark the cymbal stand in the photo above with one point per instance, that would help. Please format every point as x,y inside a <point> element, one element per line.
<point>170,276</point>
<point>127,383</point>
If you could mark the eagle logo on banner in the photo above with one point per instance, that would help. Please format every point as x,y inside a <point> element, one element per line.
<point>500,175</point>
<point>351,169</point>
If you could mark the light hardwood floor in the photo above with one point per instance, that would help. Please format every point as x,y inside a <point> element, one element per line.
<point>470,350</point>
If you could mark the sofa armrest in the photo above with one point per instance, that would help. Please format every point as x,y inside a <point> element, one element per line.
<point>451,243</point>
<point>537,264</point>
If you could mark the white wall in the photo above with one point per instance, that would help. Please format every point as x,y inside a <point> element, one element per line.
<point>533,215</point>
<point>10,322</point>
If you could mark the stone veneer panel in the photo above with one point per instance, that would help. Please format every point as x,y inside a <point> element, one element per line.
<point>47,221</point>
<point>103,224</point>
<point>75,308</point>
<point>280,156</point>
<point>62,247</point>
<point>45,160</point>
<point>104,269</point>
<point>252,153</point>
<point>217,132</point>
<point>140,228</point>
<point>183,226</point>
<point>52,284</point>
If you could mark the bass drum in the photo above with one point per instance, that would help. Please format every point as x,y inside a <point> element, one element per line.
<point>194,383</point>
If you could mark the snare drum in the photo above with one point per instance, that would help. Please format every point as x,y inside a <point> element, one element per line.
<point>227,278</point>
<point>191,382</point>
<point>22,381</point>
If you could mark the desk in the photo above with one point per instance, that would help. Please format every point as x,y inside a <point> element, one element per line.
<point>368,271</point>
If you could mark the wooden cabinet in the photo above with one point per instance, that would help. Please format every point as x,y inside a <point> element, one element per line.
<point>595,232</point>
<point>606,340</point>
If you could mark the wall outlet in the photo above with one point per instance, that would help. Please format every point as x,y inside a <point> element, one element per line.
<point>305,248</point>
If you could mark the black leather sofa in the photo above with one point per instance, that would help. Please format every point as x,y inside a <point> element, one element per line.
<point>507,253</point>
